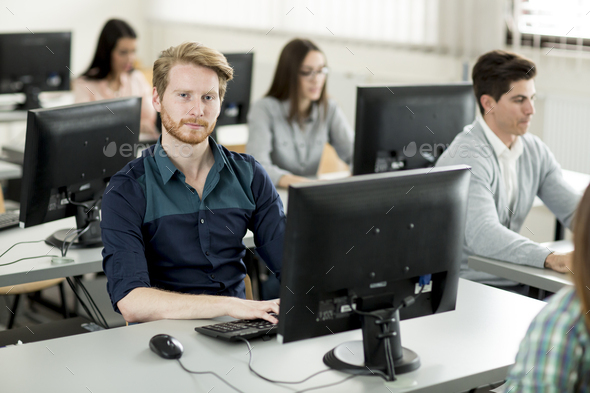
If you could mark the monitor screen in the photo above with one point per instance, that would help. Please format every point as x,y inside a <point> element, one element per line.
<point>368,243</point>
<point>70,154</point>
<point>236,102</point>
<point>408,127</point>
<point>32,63</point>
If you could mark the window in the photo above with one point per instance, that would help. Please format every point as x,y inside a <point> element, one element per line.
<point>405,22</point>
<point>563,24</point>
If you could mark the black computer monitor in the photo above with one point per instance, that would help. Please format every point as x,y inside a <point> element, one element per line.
<point>32,63</point>
<point>408,127</point>
<point>367,244</point>
<point>236,102</point>
<point>70,154</point>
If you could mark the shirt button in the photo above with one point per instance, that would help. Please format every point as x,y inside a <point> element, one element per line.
<point>207,253</point>
<point>202,221</point>
<point>213,276</point>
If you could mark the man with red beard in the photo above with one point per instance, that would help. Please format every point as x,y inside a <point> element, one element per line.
<point>173,220</point>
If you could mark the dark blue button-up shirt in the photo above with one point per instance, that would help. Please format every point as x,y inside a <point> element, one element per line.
<point>157,231</point>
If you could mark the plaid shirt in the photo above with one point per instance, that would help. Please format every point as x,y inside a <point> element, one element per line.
<point>554,356</point>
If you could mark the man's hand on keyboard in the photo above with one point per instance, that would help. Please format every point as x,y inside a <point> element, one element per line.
<point>252,309</point>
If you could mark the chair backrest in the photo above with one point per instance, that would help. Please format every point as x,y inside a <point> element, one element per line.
<point>248,283</point>
<point>2,208</point>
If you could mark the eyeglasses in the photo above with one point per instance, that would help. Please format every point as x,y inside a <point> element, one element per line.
<point>310,74</point>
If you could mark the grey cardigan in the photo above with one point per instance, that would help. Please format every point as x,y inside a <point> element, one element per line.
<point>282,147</point>
<point>492,230</point>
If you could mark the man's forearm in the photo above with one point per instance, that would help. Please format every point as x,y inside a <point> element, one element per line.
<point>150,304</point>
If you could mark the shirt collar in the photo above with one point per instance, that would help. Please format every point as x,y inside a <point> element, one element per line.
<point>499,147</point>
<point>168,169</point>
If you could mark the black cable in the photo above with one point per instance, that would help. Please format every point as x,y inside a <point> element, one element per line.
<point>272,380</point>
<point>328,384</point>
<point>385,330</point>
<point>83,231</point>
<point>81,301</point>
<point>84,306</point>
<point>23,259</point>
<point>92,303</point>
<point>77,203</point>
<point>209,372</point>
<point>63,253</point>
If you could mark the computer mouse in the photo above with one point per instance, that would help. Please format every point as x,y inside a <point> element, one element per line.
<point>166,346</point>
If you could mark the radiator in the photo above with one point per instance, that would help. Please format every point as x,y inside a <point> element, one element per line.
<point>566,130</point>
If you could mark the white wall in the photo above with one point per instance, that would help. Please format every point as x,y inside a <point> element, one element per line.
<point>368,63</point>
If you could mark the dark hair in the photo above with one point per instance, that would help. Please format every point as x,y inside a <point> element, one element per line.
<point>111,32</point>
<point>581,258</point>
<point>285,84</point>
<point>495,70</point>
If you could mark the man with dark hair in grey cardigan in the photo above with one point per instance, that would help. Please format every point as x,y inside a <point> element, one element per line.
<point>509,168</point>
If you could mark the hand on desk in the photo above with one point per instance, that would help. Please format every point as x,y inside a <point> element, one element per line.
<point>560,262</point>
<point>253,309</point>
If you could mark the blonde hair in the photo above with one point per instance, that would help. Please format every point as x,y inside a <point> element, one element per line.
<point>191,53</point>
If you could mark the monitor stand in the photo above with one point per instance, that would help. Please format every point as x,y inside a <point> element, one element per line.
<point>367,357</point>
<point>31,99</point>
<point>89,239</point>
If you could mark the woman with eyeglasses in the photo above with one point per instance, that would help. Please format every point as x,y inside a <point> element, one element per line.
<point>290,126</point>
<point>111,74</point>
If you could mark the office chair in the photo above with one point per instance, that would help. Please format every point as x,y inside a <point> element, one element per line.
<point>33,288</point>
<point>330,162</point>
<point>248,283</point>
<point>29,288</point>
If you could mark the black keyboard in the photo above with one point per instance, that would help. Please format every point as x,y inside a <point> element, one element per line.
<point>245,328</point>
<point>8,220</point>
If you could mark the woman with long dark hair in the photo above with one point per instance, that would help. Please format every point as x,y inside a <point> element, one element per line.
<point>290,126</point>
<point>554,356</point>
<point>111,73</point>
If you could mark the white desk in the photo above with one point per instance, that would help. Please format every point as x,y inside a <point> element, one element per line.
<point>546,279</point>
<point>31,270</point>
<point>7,116</point>
<point>9,170</point>
<point>474,345</point>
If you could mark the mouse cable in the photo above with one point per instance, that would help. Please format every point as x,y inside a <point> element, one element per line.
<point>23,259</point>
<point>272,380</point>
<point>328,384</point>
<point>209,372</point>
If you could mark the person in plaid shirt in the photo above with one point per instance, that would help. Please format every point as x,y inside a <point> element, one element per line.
<point>554,356</point>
